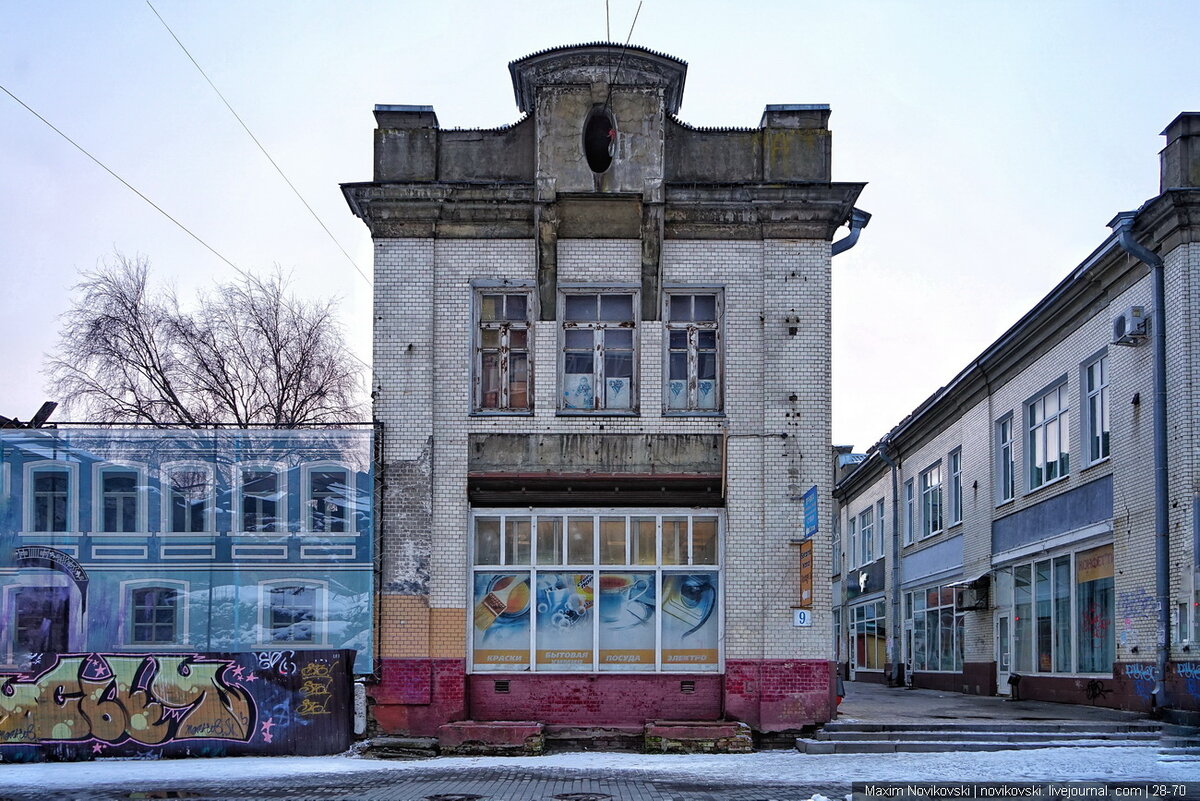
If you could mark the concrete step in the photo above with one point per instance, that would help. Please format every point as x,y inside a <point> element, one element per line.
<point>809,746</point>
<point>969,736</point>
<point>397,747</point>
<point>996,726</point>
<point>563,738</point>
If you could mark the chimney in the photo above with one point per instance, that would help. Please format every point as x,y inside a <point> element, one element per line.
<point>1181,157</point>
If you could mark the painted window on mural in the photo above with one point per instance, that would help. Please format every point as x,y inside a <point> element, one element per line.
<point>154,615</point>
<point>41,620</point>
<point>328,501</point>
<point>599,352</point>
<point>1062,611</point>
<point>502,366</point>
<point>292,614</point>
<point>937,630</point>
<point>1096,421</point>
<point>868,624</point>
<point>261,497</point>
<point>51,499</point>
<point>189,500</point>
<point>118,500</point>
<point>586,592</point>
<point>1048,425</point>
<point>693,355</point>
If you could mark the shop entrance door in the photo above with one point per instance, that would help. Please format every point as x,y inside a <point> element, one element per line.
<point>1003,653</point>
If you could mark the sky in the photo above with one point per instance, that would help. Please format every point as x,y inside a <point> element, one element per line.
<point>997,139</point>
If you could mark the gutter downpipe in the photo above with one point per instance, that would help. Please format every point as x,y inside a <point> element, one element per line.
<point>1122,224</point>
<point>858,221</point>
<point>895,679</point>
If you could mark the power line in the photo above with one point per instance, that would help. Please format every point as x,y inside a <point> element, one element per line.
<point>246,128</point>
<point>128,185</point>
<point>134,189</point>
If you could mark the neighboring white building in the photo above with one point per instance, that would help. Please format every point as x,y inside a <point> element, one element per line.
<point>1017,503</point>
<point>602,368</point>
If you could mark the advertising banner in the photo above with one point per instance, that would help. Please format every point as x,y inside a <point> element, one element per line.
<point>627,611</point>
<point>689,627</point>
<point>501,621</point>
<point>565,603</point>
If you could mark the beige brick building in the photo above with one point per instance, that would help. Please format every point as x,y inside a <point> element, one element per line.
<point>602,370</point>
<point>1006,528</point>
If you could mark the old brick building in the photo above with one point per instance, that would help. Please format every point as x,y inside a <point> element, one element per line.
<point>602,368</point>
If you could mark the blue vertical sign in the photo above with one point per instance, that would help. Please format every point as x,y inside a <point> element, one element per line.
<point>810,512</point>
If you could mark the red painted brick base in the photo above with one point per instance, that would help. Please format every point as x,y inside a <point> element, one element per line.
<point>780,694</point>
<point>416,696</point>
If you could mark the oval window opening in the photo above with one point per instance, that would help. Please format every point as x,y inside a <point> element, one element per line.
<point>599,137</point>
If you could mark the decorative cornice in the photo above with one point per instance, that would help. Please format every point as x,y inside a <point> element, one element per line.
<point>692,211</point>
<point>598,62</point>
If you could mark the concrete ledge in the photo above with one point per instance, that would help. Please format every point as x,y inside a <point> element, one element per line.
<point>493,738</point>
<point>698,737</point>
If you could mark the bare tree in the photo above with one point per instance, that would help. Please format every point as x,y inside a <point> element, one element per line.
<point>248,352</point>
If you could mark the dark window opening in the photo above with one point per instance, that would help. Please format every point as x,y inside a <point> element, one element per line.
<point>599,139</point>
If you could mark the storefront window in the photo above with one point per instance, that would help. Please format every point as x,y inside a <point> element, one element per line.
<point>636,592</point>
<point>1094,600</point>
<point>870,635</point>
<point>1061,623</point>
<point>937,630</point>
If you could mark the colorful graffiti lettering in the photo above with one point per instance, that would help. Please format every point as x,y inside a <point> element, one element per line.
<point>116,698</point>
<point>316,689</point>
<point>1141,672</point>
<point>1187,670</point>
<point>282,661</point>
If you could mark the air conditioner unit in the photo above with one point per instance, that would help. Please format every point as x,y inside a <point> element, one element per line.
<point>1129,327</point>
<point>968,599</point>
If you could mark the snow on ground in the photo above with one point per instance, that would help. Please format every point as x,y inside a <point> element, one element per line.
<point>768,767</point>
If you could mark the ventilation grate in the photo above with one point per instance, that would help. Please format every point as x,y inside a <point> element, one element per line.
<point>501,687</point>
<point>687,687</point>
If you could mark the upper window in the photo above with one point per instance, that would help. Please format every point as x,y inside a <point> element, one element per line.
<point>154,616</point>
<point>189,499</point>
<point>910,512</point>
<point>1005,466</point>
<point>852,538</point>
<point>1096,419</point>
<point>836,536</point>
<point>1048,418</point>
<point>328,500</point>
<point>118,500</point>
<point>261,500</point>
<point>599,352</point>
<point>693,357</point>
<point>292,613</point>
<point>866,533</point>
<point>51,499</point>
<point>879,526</point>
<point>931,501</point>
<point>956,494</point>
<point>502,368</point>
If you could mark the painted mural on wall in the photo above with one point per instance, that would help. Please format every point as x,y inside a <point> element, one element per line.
<point>91,705</point>
<point>182,541</point>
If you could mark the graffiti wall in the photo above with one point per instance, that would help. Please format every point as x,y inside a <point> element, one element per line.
<point>78,706</point>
